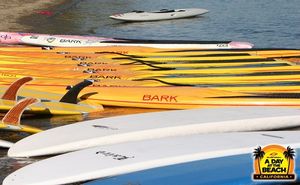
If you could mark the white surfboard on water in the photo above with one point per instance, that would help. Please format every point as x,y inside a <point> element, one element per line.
<point>5,144</point>
<point>163,14</point>
<point>107,161</point>
<point>144,126</point>
<point>59,41</point>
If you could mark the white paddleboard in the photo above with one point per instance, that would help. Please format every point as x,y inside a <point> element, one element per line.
<point>163,14</point>
<point>144,126</point>
<point>5,144</point>
<point>106,161</point>
<point>59,41</point>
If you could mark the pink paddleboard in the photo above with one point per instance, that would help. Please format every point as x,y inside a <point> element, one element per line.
<point>15,37</point>
<point>85,41</point>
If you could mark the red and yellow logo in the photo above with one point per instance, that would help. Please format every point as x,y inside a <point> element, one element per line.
<point>274,162</point>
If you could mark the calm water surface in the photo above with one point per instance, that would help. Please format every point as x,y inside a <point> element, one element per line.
<point>266,23</point>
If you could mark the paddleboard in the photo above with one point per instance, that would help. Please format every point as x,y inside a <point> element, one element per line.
<point>5,144</point>
<point>132,72</point>
<point>143,51</point>
<point>229,170</point>
<point>153,65</point>
<point>171,97</point>
<point>16,37</point>
<point>130,51</point>
<point>121,129</point>
<point>163,14</point>
<point>107,161</point>
<point>60,41</point>
<point>167,77</point>
<point>67,104</point>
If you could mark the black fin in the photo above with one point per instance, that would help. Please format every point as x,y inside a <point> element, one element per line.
<point>72,94</point>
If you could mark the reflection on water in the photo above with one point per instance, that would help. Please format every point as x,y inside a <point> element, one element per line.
<point>8,165</point>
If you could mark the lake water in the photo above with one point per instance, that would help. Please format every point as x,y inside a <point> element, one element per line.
<point>265,23</point>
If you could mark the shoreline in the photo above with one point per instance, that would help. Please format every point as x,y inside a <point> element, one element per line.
<point>13,12</point>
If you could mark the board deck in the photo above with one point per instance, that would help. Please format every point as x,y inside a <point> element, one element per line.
<point>229,170</point>
<point>175,74</point>
<point>170,97</point>
<point>107,161</point>
<point>121,129</point>
<point>61,41</point>
<point>92,52</point>
<point>16,37</point>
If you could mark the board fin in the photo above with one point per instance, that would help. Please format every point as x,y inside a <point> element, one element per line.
<point>13,116</point>
<point>72,94</point>
<point>87,95</point>
<point>12,90</point>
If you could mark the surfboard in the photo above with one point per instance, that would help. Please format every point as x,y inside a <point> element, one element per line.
<point>5,144</point>
<point>229,170</point>
<point>164,14</point>
<point>107,161</point>
<point>60,41</point>
<point>121,129</point>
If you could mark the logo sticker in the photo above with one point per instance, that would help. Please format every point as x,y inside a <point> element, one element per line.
<point>104,127</point>
<point>113,155</point>
<point>51,39</point>
<point>5,37</point>
<point>34,37</point>
<point>274,163</point>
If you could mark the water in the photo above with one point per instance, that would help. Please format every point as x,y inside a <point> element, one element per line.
<point>266,23</point>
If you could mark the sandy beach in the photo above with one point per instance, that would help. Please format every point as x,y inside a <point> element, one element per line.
<point>12,11</point>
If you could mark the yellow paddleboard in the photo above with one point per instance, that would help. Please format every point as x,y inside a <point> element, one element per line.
<point>50,104</point>
<point>181,97</point>
<point>144,51</point>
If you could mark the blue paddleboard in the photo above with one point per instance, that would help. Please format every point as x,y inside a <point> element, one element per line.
<point>230,170</point>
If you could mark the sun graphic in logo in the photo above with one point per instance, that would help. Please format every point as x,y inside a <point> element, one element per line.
<point>274,162</point>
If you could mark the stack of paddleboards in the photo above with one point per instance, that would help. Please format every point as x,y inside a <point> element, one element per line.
<point>173,78</point>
